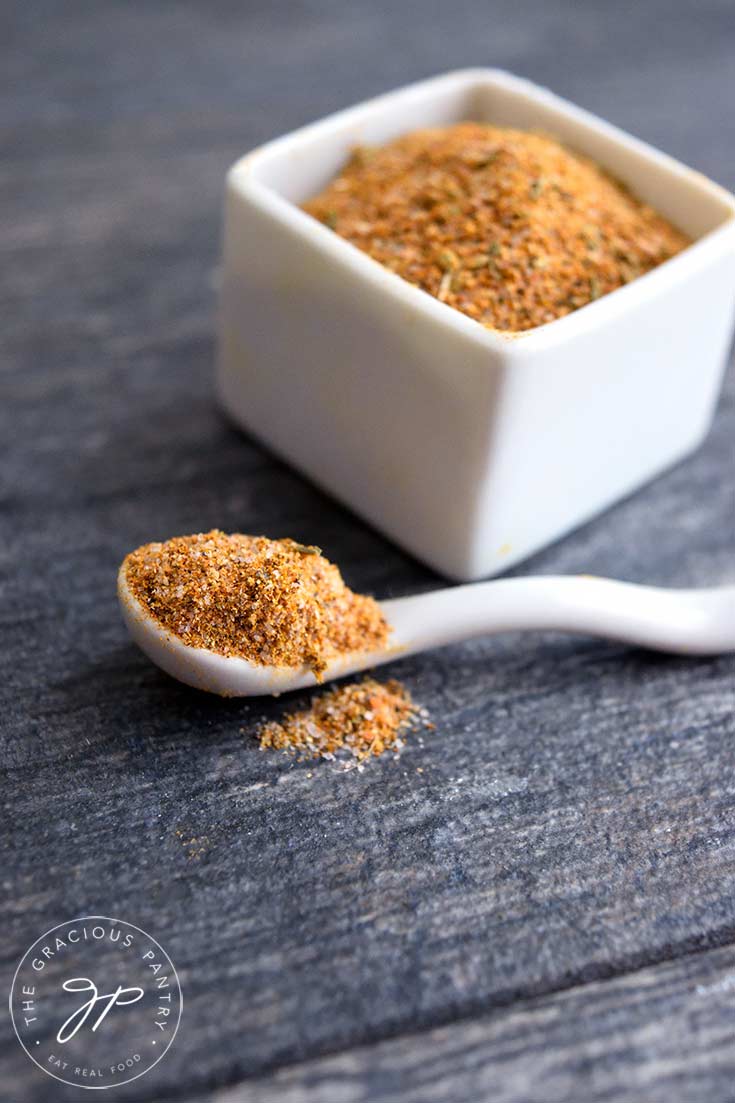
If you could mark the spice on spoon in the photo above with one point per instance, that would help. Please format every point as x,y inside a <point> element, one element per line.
<point>507,226</point>
<point>273,602</point>
<point>360,720</point>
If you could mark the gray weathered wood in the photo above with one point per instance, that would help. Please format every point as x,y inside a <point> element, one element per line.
<point>626,1039</point>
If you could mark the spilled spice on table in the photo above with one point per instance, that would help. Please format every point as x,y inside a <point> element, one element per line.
<point>357,721</point>
<point>195,846</point>
<point>506,226</point>
<point>273,602</point>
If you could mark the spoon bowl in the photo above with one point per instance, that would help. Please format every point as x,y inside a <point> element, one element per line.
<point>226,675</point>
<point>683,622</point>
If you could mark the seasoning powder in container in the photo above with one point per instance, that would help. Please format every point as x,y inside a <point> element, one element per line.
<point>507,226</point>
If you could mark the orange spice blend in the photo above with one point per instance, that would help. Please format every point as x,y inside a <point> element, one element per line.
<point>507,226</point>
<point>273,602</point>
<point>360,720</point>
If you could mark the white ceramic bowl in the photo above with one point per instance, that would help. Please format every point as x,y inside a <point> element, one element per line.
<point>469,448</point>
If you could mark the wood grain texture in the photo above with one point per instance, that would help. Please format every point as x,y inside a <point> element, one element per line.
<point>562,848</point>
<point>627,1039</point>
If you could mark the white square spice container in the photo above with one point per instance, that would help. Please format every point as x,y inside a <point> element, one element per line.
<point>469,448</point>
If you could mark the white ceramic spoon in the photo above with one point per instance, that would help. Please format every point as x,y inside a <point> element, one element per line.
<point>685,622</point>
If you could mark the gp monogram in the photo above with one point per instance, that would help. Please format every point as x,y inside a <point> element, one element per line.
<point>95,1002</point>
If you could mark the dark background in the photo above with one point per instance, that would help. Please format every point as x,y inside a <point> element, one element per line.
<point>536,904</point>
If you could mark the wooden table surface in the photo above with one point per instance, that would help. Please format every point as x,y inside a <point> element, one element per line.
<point>536,904</point>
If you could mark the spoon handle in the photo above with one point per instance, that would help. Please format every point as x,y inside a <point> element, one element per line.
<point>685,622</point>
